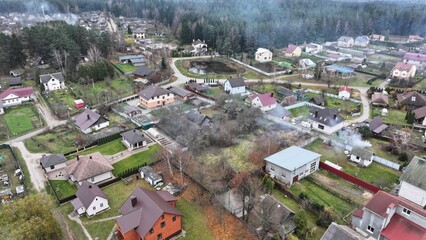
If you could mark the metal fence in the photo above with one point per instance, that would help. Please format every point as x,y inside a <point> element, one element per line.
<point>387,163</point>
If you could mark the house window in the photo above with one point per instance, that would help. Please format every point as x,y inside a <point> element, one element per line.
<point>321,126</point>
<point>151,231</point>
<point>272,169</point>
<point>52,167</point>
<point>413,98</point>
<point>160,236</point>
<point>94,208</point>
<point>283,175</point>
<point>164,97</point>
<point>406,211</point>
<point>370,229</point>
<point>357,158</point>
<point>173,218</point>
<point>158,102</point>
<point>101,205</point>
<point>163,224</point>
<point>313,166</point>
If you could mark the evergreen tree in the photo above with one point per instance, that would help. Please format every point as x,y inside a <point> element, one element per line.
<point>129,30</point>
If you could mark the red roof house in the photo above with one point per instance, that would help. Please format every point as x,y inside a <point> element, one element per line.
<point>345,92</point>
<point>15,96</point>
<point>149,215</point>
<point>264,101</point>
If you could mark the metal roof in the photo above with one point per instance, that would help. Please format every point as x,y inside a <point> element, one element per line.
<point>292,158</point>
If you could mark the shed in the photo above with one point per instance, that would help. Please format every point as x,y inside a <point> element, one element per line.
<point>79,103</point>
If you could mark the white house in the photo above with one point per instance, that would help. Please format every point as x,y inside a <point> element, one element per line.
<point>54,166</point>
<point>417,59</point>
<point>264,101</point>
<point>292,164</point>
<point>52,81</point>
<point>325,120</point>
<point>15,96</point>
<point>235,86</point>
<point>377,37</point>
<point>362,41</point>
<point>133,139</point>
<point>313,48</point>
<point>263,55</point>
<point>89,121</point>
<point>93,168</point>
<point>197,47</point>
<point>344,92</point>
<point>292,51</point>
<point>139,33</point>
<point>404,71</point>
<point>150,176</point>
<point>361,156</point>
<point>413,182</point>
<point>90,200</point>
<point>345,41</point>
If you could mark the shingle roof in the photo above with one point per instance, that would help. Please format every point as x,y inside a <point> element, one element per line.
<point>377,125</point>
<point>196,117</point>
<point>86,119</point>
<point>327,116</point>
<point>414,174</point>
<point>133,136</point>
<point>88,166</point>
<point>236,82</point>
<point>412,98</point>
<point>415,57</point>
<point>152,91</point>
<point>279,111</point>
<point>179,91</point>
<point>148,209</point>
<point>362,153</point>
<point>420,112</point>
<point>265,99</point>
<point>46,77</point>
<point>380,98</point>
<point>292,158</point>
<point>340,232</point>
<point>284,91</point>
<point>318,100</point>
<point>291,48</point>
<point>53,159</point>
<point>403,66</point>
<point>344,88</point>
<point>143,71</point>
<point>86,193</point>
<point>20,92</point>
<point>13,81</point>
<point>197,87</point>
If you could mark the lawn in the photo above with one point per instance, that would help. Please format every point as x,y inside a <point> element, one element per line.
<point>393,117</point>
<point>375,174</point>
<point>110,148</point>
<point>213,92</point>
<point>126,68</point>
<point>265,88</point>
<point>57,140</point>
<point>22,119</point>
<point>376,148</point>
<point>136,160</point>
<point>194,220</point>
<point>76,229</point>
<point>100,230</point>
<point>63,97</point>
<point>300,111</point>
<point>63,188</point>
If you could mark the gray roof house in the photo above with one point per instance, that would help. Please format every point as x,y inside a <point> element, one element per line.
<point>89,121</point>
<point>337,232</point>
<point>13,81</point>
<point>362,156</point>
<point>235,86</point>
<point>90,200</point>
<point>197,118</point>
<point>292,164</point>
<point>52,81</point>
<point>318,100</point>
<point>181,93</point>
<point>52,162</point>
<point>326,120</point>
<point>150,175</point>
<point>142,71</point>
<point>412,98</point>
<point>413,181</point>
<point>152,91</point>
<point>133,139</point>
<point>377,126</point>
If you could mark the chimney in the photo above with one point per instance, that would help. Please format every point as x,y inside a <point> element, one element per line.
<point>78,157</point>
<point>335,116</point>
<point>316,113</point>
<point>88,116</point>
<point>272,94</point>
<point>133,200</point>
<point>90,186</point>
<point>90,157</point>
<point>390,208</point>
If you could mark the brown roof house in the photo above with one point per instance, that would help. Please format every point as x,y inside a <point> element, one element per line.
<point>93,168</point>
<point>155,96</point>
<point>420,115</point>
<point>379,99</point>
<point>89,121</point>
<point>149,215</point>
<point>133,139</point>
<point>412,99</point>
<point>377,126</point>
<point>196,87</point>
<point>90,200</point>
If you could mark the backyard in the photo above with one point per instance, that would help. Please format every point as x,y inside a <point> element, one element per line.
<point>19,120</point>
<point>110,148</point>
<point>126,68</point>
<point>63,98</point>
<point>136,160</point>
<point>57,140</point>
<point>393,117</point>
<point>63,188</point>
<point>300,111</point>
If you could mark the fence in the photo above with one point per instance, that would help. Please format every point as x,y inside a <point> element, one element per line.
<point>258,70</point>
<point>387,163</point>
<point>332,95</point>
<point>350,178</point>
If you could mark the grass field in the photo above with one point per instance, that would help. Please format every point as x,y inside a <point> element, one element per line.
<point>64,97</point>
<point>300,111</point>
<point>126,68</point>
<point>57,140</point>
<point>376,148</point>
<point>213,92</point>
<point>22,119</point>
<point>63,188</point>
<point>194,221</point>
<point>375,174</point>
<point>137,159</point>
<point>110,148</point>
<point>394,116</point>
<point>76,229</point>
<point>100,230</point>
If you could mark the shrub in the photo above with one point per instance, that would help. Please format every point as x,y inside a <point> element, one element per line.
<point>403,157</point>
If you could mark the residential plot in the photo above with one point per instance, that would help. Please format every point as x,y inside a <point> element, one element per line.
<point>57,140</point>
<point>136,160</point>
<point>20,119</point>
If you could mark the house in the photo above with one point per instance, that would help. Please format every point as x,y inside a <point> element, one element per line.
<point>198,118</point>
<point>414,38</point>
<point>377,37</point>
<point>344,92</point>
<point>196,87</point>
<point>289,100</point>
<point>362,41</point>
<point>148,214</point>
<point>292,164</point>
<point>412,99</point>
<point>336,231</point>
<point>380,99</point>
<point>150,175</point>
<point>279,112</point>
<point>54,166</point>
<point>53,81</point>
<point>263,55</point>
<point>235,86</point>
<point>142,72</point>
<point>417,59</point>
<point>93,168</point>
<point>89,121</point>
<point>135,60</point>
<point>306,63</point>
<point>139,33</point>
<point>345,41</point>
<point>155,96</point>
<point>419,115</point>
<point>377,126</point>
<point>264,101</point>
<point>413,182</point>
<point>133,139</point>
<point>16,96</point>
<point>318,100</point>
<point>16,72</point>
<point>313,48</point>
<point>403,71</point>
<point>198,47</point>
<point>339,71</point>
<point>325,120</point>
<point>386,216</point>
<point>292,51</point>
<point>90,200</point>
<point>284,92</point>
<point>361,156</point>
<point>13,81</point>
<point>131,111</point>
<point>181,93</point>
<point>335,57</point>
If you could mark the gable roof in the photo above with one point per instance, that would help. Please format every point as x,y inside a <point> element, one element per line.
<point>20,92</point>
<point>362,153</point>
<point>148,209</point>
<point>291,48</point>
<point>284,91</point>
<point>236,82</point>
<point>336,232</point>
<point>179,91</point>
<point>327,116</point>
<point>292,158</point>
<point>377,125</point>
<point>412,98</point>
<point>87,192</point>
<point>133,136</point>
<point>13,81</point>
<point>88,166</point>
<point>265,99</point>
<point>318,100</point>
<point>344,88</point>
<point>51,160</point>
<point>86,119</point>
<point>345,39</point>
<point>262,50</point>
<point>414,174</point>
<point>152,91</point>
<point>197,87</point>
<point>362,39</point>
<point>46,77</point>
<point>401,228</point>
<point>403,66</point>
<point>197,117</point>
<point>380,98</point>
<point>415,57</point>
<point>143,71</point>
<point>420,112</point>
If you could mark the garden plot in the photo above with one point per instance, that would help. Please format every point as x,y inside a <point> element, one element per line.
<point>8,167</point>
<point>57,140</point>
<point>19,120</point>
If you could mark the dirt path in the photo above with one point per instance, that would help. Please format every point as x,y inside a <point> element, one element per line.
<point>77,219</point>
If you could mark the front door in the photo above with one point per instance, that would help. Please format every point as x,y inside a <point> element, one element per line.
<point>295,178</point>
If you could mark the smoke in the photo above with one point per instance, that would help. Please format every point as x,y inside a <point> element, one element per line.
<point>353,139</point>
<point>49,12</point>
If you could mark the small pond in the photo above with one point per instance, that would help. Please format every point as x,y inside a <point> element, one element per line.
<point>210,67</point>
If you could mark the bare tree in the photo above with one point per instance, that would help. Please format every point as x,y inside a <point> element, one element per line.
<point>269,215</point>
<point>182,158</point>
<point>93,54</point>
<point>247,187</point>
<point>167,156</point>
<point>402,139</point>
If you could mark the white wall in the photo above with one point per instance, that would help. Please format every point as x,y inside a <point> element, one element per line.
<point>236,90</point>
<point>263,56</point>
<point>100,126</point>
<point>99,204</point>
<point>98,178</point>
<point>56,167</point>
<point>53,84</point>
<point>412,193</point>
<point>327,130</point>
<point>345,94</point>
<point>289,175</point>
